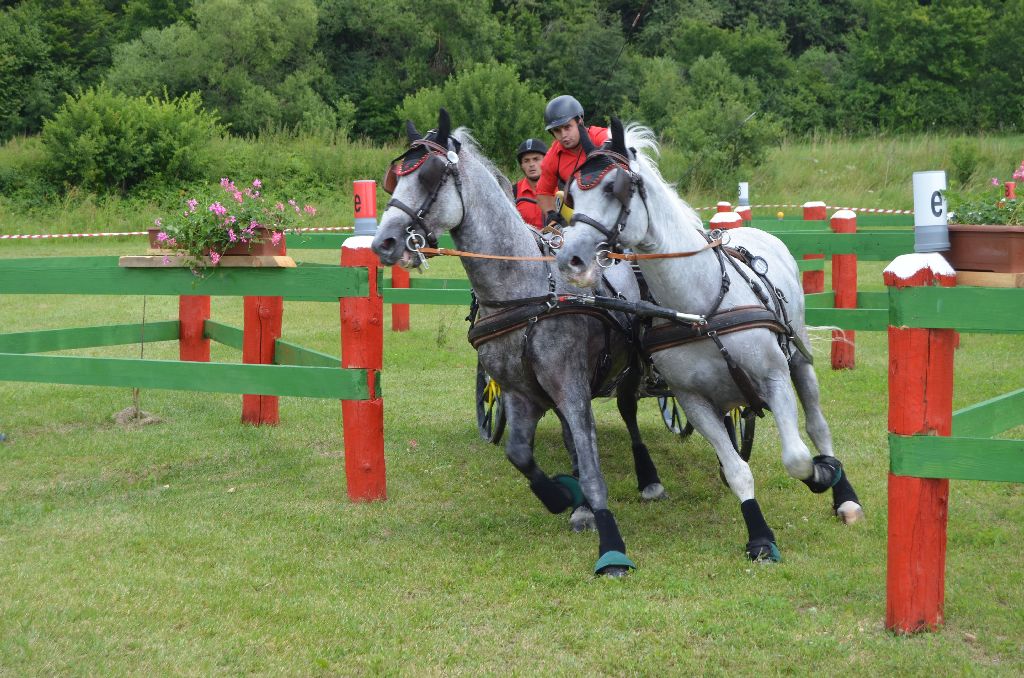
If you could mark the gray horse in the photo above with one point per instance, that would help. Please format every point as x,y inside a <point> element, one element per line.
<point>443,183</point>
<point>753,344</point>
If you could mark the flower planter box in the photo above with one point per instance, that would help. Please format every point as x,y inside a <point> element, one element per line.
<point>262,249</point>
<point>997,249</point>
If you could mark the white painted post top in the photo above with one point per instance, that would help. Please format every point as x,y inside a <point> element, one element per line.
<point>906,265</point>
<point>358,241</point>
<point>844,214</point>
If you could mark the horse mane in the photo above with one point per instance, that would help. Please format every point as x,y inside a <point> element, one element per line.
<point>465,137</point>
<point>644,143</point>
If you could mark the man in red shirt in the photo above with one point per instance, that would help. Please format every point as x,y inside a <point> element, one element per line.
<point>563,117</point>
<point>530,154</point>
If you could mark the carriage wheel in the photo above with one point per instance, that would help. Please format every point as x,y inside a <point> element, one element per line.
<point>740,423</point>
<point>490,411</point>
<point>673,417</point>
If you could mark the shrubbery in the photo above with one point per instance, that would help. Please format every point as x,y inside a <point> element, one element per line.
<point>489,99</point>
<point>103,141</point>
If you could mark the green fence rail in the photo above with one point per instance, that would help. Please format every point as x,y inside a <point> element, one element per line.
<point>297,371</point>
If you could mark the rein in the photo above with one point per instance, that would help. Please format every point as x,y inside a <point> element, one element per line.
<point>446,252</point>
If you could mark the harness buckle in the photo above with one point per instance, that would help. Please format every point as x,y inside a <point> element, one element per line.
<point>603,261</point>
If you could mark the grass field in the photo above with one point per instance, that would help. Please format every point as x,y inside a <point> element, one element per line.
<point>202,546</point>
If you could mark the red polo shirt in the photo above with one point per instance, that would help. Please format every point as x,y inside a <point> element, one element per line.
<point>526,203</point>
<point>559,164</point>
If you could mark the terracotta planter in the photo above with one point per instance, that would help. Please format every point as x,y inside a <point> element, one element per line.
<point>262,249</point>
<point>999,249</point>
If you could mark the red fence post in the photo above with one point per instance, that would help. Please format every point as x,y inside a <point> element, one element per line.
<point>261,328</point>
<point>725,220</point>
<point>193,312</point>
<point>362,346</point>
<point>723,206</point>
<point>814,281</point>
<point>399,312</point>
<point>844,285</point>
<point>920,402</point>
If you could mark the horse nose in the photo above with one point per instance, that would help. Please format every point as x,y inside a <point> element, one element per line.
<point>385,249</point>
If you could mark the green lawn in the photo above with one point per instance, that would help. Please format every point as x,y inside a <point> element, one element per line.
<point>203,546</point>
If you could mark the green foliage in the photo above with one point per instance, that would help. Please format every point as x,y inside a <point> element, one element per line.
<point>489,99</point>
<point>105,141</point>
<point>253,63</point>
<point>705,113</point>
<point>965,156</point>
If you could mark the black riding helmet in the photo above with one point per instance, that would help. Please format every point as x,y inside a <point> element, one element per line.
<point>530,146</point>
<point>561,110</point>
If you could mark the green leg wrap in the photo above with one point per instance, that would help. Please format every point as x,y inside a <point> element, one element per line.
<point>570,483</point>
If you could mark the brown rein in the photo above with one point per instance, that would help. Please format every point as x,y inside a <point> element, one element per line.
<point>444,251</point>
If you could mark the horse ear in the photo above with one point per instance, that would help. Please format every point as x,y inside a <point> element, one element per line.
<point>410,131</point>
<point>618,137</point>
<point>588,145</point>
<point>444,126</point>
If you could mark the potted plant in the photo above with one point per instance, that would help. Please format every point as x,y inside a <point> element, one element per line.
<point>986,231</point>
<point>225,222</point>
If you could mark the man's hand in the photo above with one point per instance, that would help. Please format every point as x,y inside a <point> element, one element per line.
<point>554,220</point>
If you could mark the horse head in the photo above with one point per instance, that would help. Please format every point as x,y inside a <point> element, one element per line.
<point>606,193</point>
<point>424,183</point>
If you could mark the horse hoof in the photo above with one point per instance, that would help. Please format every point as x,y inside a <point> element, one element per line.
<point>653,492</point>
<point>614,564</point>
<point>763,552</point>
<point>582,519</point>
<point>850,512</point>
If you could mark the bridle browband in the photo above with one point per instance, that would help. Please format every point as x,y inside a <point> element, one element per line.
<point>625,185</point>
<point>436,165</point>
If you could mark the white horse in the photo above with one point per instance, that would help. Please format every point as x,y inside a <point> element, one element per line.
<point>753,342</point>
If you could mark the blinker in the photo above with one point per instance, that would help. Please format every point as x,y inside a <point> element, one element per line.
<point>622,186</point>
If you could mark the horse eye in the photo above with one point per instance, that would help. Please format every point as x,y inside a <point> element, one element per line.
<point>608,188</point>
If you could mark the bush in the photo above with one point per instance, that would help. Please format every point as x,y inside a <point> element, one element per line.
<point>965,157</point>
<point>103,141</point>
<point>490,99</point>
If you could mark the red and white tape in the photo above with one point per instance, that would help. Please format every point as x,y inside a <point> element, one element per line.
<point>868,210</point>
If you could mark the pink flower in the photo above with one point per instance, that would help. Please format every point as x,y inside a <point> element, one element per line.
<point>292,203</point>
<point>253,225</point>
<point>237,196</point>
<point>310,210</point>
<point>280,207</point>
<point>225,182</point>
<point>275,238</point>
<point>167,260</point>
<point>230,219</point>
<point>214,258</point>
<point>171,242</point>
<point>161,236</point>
<point>156,222</point>
<point>256,183</point>
<point>192,204</point>
<point>995,182</point>
<point>218,209</point>
<point>231,235</point>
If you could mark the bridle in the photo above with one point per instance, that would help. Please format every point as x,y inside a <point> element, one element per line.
<point>435,166</point>
<point>625,184</point>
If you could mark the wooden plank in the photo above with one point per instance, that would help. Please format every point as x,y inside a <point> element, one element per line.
<point>957,458</point>
<point>280,380</point>
<point>440,283</point>
<point>988,279</point>
<point>868,246</point>
<point>176,260</point>
<point>333,241</point>
<point>820,299</point>
<point>991,417</point>
<point>867,319</point>
<point>286,353</point>
<point>423,296</point>
<point>86,276</point>
<point>228,335</point>
<point>873,300</point>
<point>810,265</point>
<point>967,309</point>
<point>42,341</point>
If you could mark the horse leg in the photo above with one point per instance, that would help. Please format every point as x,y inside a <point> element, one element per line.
<point>612,560</point>
<point>845,503</point>
<point>648,482</point>
<point>557,494</point>
<point>708,421</point>
<point>582,518</point>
